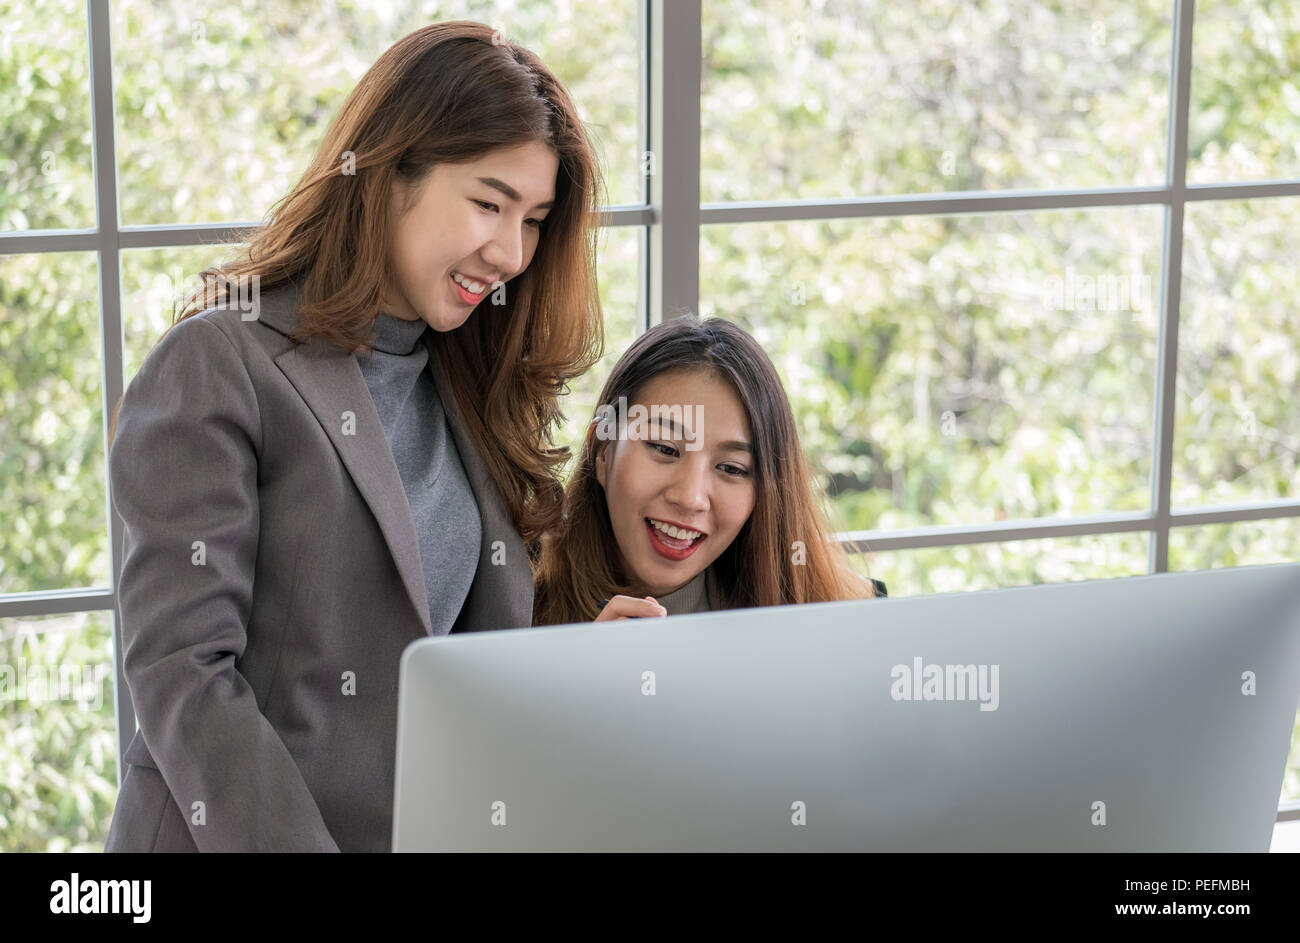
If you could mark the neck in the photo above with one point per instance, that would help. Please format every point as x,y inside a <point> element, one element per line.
<point>642,590</point>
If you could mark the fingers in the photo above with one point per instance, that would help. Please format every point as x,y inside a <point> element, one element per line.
<point>630,607</point>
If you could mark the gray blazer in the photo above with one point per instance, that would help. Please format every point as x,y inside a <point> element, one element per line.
<point>271,579</point>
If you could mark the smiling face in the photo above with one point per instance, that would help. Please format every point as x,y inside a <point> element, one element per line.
<point>656,483</point>
<point>471,224</point>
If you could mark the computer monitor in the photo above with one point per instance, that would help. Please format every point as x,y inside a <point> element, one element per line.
<point>1147,713</point>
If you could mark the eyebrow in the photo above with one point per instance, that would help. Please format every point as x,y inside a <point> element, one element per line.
<point>676,430</point>
<point>511,192</point>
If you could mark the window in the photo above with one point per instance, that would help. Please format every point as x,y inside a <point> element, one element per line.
<point>967,235</point>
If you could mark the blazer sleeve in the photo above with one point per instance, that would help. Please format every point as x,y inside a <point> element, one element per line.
<point>183,468</point>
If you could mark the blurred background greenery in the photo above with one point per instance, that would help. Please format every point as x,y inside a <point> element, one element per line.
<point>939,374</point>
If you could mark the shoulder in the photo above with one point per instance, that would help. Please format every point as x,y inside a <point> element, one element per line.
<point>198,372</point>
<point>256,322</point>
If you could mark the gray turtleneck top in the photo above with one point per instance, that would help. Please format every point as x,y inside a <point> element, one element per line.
<point>441,502</point>
<point>690,597</point>
<point>698,595</point>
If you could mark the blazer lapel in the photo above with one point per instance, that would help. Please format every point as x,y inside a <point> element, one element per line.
<point>332,385</point>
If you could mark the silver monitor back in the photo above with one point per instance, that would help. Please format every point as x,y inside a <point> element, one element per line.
<point>1149,713</point>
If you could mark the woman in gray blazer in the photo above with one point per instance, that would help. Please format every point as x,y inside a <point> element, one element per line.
<point>342,445</point>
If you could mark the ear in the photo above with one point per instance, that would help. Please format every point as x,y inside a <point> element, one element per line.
<point>602,464</point>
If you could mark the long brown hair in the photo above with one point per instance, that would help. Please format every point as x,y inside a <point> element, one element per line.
<point>447,93</point>
<point>580,563</point>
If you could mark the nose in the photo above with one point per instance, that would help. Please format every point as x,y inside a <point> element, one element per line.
<point>689,487</point>
<point>504,252</point>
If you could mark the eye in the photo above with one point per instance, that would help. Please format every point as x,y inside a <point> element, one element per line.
<point>735,470</point>
<point>493,208</point>
<point>662,449</point>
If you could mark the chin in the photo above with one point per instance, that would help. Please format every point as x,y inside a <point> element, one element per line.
<point>673,578</point>
<point>440,322</point>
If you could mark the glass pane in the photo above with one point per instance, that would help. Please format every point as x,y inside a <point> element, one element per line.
<point>952,370</point>
<point>1014,563</point>
<point>1244,120</point>
<point>58,744</point>
<point>1237,432</point>
<point>1243,543</point>
<point>46,169</point>
<point>221,127</point>
<point>869,97</point>
<point>617,261</point>
<point>153,281</point>
<point>52,425</point>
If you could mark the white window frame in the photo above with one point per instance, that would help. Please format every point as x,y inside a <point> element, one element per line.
<point>669,221</point>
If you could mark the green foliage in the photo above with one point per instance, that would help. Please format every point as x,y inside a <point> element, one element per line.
<point>58,757</point>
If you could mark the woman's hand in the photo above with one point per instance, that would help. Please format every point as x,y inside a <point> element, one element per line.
<point>630,607</point>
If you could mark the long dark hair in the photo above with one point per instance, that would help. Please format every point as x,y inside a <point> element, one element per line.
<point>448,93</point>
<point>580,563</point>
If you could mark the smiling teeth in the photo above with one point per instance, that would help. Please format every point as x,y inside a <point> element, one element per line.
<point>474,288</point>
<point>677,532</point>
